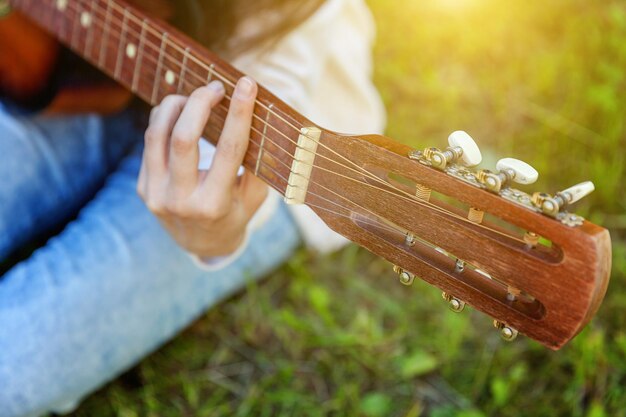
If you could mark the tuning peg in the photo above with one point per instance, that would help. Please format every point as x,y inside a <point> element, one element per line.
<point>470,154</point>
<point>506,332</point>
<point>462,149</point>
<point>577,192</point>
<point>553,205</point>
<point>518,171</point>
<point>454,303</point>
<point>406,278</point>
<point>509,170</point>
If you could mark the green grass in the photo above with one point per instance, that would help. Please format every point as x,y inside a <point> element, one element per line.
<point>542,81</point>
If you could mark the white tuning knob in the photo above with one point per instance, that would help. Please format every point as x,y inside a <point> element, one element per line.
<point>471,154</point>
<point>522,172</point>
<point>578,191</point>
<point>553,205</point>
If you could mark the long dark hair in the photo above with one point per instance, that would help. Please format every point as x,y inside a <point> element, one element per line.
<point>218,23</point>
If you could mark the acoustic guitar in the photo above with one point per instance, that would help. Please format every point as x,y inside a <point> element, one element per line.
<point>521,258</point>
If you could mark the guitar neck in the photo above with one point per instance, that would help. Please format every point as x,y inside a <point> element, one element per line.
<point>153,60</point>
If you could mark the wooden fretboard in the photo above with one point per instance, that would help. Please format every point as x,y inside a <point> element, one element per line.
<point>154,60</point>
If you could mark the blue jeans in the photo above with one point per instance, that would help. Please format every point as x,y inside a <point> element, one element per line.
<point>112,286</point>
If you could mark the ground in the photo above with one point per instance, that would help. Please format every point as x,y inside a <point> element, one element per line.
<point>541,81</point>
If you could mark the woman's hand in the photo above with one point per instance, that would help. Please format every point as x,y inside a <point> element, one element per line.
<point>206,212</point>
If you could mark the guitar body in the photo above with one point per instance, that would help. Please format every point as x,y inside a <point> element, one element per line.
<point>29,60</point>
<point>28,57</point>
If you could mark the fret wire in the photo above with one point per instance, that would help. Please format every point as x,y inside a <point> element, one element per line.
<point>261,147</point>
<point>62,22</point>
<point>50,13</point>
<point>121,43</point>
<point>105,35</point>
<point>157,81</point>
<point>211,71</point>
<point>89,43</point>
<point>139,56</point>
<point>76,25</point>
<point>183,70</point>
<point>67,25</point>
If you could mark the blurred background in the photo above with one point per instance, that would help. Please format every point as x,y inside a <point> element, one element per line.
<point>540,81</point>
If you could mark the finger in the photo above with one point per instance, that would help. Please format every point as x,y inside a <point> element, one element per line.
<point>252,193</point>
<point>184,152</point>
<point>157,136</point>
<point>233,141</point>
<point>141,181</point>
<point>153,114</point>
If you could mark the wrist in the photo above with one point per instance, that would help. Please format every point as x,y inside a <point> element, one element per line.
<point>215,262</point>
<point>262,215</point>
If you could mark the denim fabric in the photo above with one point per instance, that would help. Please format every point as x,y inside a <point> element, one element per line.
<point>112,286</point>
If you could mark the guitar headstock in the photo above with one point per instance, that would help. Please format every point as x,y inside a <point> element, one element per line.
<point>519,257</point>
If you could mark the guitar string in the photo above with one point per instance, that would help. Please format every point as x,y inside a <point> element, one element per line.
<point>275,187</point>
<point>375,222</point>
<point>263,123</point>
<point>440,210</point>
<point>411,198</point>
<point>430,206</point>
<point>124,11</point>
<point>361,171</point>
<point>367,220</point>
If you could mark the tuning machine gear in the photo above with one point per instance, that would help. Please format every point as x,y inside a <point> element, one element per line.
<point>462,150</point>
<point>454,304</point>
<point>507,333</point>
<point>509,170</point>
<point>406,278</point>
<point>553,205</point>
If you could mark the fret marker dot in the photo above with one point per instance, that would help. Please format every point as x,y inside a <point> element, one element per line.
<point>170,77</point>
<point>85,19</point>
<point>131,50</point>
<point>62,4</point>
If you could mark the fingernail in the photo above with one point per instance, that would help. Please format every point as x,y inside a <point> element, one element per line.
<point>245,88</point>
<point>216,86</point>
